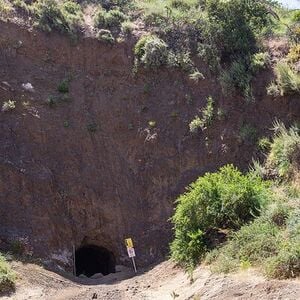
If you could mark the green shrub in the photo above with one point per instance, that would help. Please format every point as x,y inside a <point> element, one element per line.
<point>127,27</point>
<point>5,8</point>
<point>259,61</point>
<point>63,87</point>
<point>151,51</point>
<point>207,114</point>
<point>110,19</point>
<point>236,79</point>
<point>105,35</point>
<point>294,54</point>
<point>287,80</point>
<point>225,199</point>
<point>63,16</point>
<point>264,143</point>
<point>285,149</point>
<point>7,276</point>
<point>273,89</point>
<point>248,133</point>
<point>286,264</point>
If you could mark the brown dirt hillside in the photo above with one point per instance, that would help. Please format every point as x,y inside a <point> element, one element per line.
<point>87,168</point>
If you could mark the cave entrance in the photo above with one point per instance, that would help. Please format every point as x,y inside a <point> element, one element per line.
<point>91,259</point>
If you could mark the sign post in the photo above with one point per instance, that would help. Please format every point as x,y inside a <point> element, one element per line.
<point>130,251</point>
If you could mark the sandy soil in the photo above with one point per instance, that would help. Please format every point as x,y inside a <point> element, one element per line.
<point>162,282</point>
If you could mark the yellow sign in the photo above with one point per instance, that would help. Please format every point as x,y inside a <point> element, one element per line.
<point>129,243</point>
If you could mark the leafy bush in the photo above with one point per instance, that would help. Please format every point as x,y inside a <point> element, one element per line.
<point>127,27</point>
<point>105,35</point>
<point>286,264</point>
<point>8,105</point>
<point>109,19</point>
<point>277,257</point>
<point>5,8</point>
<point>285,148</point>
<point>62,16</point>
<point>63,87</point>
<point>287,80</point>
<point>151,51</point>
<point>225,199</point>
<point>264,143</point>
<point>236,78</point>
<point>206,118</point>
<point>259,61</point>
<point>7,276</point>
<point>273,89</point>
<point>248,133</point>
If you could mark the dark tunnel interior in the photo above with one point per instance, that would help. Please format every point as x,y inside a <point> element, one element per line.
<point>91,259</point>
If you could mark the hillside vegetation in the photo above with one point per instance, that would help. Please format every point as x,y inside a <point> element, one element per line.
<point>260,217</point>
<point>227,35</point>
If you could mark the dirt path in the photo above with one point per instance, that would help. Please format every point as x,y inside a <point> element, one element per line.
<point>163,282</point>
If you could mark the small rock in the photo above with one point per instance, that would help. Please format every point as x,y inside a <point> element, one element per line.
<point>97,276</point>
<point>28,87</point>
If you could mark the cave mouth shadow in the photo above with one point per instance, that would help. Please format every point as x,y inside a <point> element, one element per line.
<point>92,259</point>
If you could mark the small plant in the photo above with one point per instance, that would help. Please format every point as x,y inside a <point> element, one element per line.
<point>92,127</point>
<point>206,118</point>
<point>284,149</point>
<point>248,133</point>
<point>259,61</point>
<point>294,54</point>
<point>62,16</point>
<point>63,87</point>
<point>66,124</point>
<point>196,76</point>
<point>127,27</point>
<point>151,51</point>
<point>264,143</point>
<point>105,35</point>
<point>221,113</point>
<point>287,80</point>
<point>273,89</point>
<point>51,101</point>
<point>7,276</point>
<point>109,19</point>
<point>8,105</point>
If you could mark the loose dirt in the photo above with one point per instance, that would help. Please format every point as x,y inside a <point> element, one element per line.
<point>162,282</point>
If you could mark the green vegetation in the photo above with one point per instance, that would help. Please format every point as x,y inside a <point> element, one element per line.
<point>248,133</point>
<point>287,81</point>
<point>261,219</point>
<point>7,276</point>
<point>207,114</point>
<point>225,199</point>
<point>151,51</point>
<point>285,148</point>
<point>64,16</point>
<point>63,87</point>
<point>110,20</point>
<point>279,256</point>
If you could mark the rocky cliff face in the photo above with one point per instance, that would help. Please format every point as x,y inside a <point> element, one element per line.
<point>86,167</point>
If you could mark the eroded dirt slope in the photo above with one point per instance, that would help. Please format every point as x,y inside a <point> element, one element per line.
<point>162,282</point>
<point>86,166</point>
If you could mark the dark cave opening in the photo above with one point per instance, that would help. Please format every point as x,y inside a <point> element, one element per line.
<point>91,259</point>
